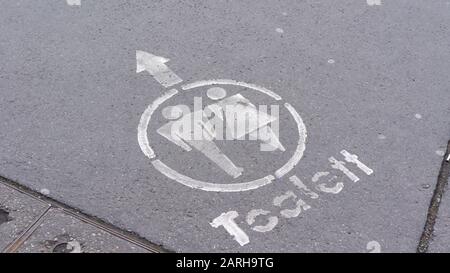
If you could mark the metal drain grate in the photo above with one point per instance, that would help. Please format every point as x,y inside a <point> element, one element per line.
<point>113,233</point>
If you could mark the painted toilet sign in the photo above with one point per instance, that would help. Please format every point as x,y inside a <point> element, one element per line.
<point>201,118</point>
<point>227,117</point>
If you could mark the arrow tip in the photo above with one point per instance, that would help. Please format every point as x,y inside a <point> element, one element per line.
<point>140,61</point>
<point>145,59</point>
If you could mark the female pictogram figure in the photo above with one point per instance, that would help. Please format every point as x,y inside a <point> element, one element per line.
<point>242,120</point>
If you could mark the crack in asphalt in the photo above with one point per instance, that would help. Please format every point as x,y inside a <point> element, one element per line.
<point>435,202</point>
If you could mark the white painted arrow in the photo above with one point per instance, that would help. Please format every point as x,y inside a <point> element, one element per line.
<point>74,2</point>
<point>155,65</point>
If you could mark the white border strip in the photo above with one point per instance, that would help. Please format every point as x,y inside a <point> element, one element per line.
<point>231,82</point>
<point>145,120</point>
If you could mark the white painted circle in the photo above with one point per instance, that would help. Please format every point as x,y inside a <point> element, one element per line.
<point>144,142</point>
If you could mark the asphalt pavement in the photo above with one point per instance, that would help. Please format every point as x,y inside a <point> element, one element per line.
<point>362,88</point>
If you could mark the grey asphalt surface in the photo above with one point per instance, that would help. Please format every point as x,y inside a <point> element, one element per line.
<point>71,101</point>
<point>22,211</point>
<point>441,238</point>
<point>58,229</point>
<point>32,223</point>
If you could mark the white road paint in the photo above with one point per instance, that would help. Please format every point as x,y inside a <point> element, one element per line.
<point>216,93</point>
<point>155,65</point>
<point>45,191</point>
<point>298,154</point>
<point>418,116</point>
<point>373,247</point>
<point>206,186</point>
<point>300,205</point>
<point>374,2</point>
<point>232,82</point>
<point>354,159</point>
<point>303,188</point>
<point>145,119</point>
<point>251,218</point>
<point>211,151</point>
<point>340,165</point>
<point>331,61</point>
<point>381,136</point>
<point>323,186</point>
<point>279,30</point>
<point>74,2</point>
<point>290,213</point>
<point>181,131</point>
<point>227,220</point>
<point>243,119</point>
<point>440,153</point>
<point>318,175</point>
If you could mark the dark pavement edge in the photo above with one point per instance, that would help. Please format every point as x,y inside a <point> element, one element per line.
<point>438,194</point>
<point>75,213</point>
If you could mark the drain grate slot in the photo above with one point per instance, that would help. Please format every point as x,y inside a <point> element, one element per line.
<point>4,216</point>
